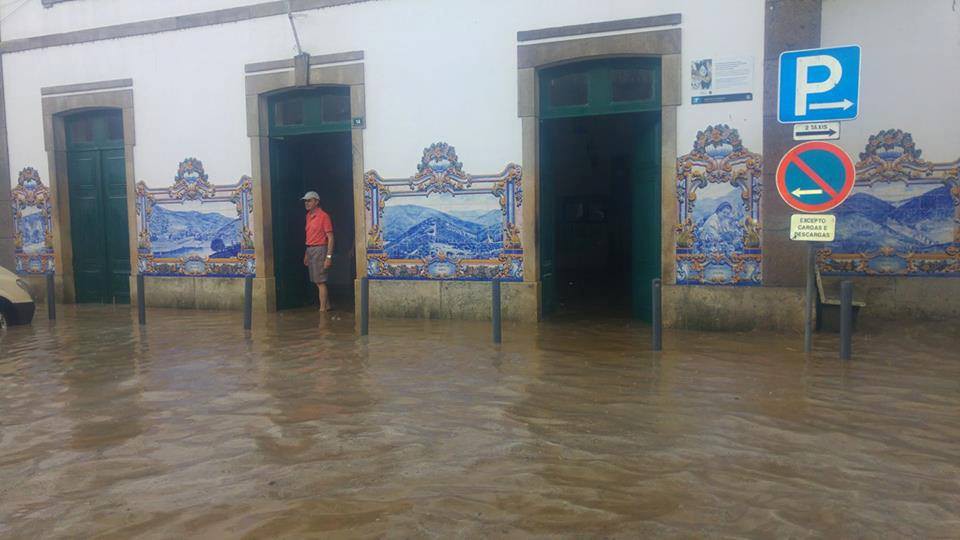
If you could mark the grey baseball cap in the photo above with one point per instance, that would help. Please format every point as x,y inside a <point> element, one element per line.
<point>310,195</point>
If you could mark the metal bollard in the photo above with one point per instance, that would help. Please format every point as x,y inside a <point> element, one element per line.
<point>495,303</point>
<point>51,297</point>
<point>364,306</point>
<point>248,303</point>
<point>141,300</point>
<point>809,300</point>
<point>657,315</point>
<point>846,319</point>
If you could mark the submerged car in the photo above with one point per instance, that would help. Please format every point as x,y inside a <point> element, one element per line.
<point>16,303</point>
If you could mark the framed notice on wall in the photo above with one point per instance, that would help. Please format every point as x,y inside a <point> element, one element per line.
<point>720,80</point>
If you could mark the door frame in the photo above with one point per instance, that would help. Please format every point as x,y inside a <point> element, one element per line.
<point>531,58</point>
<point>57,103</point>
<point>262,81</point>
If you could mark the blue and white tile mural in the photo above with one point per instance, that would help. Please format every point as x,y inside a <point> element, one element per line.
<point>32,224</point>
<point>443,223</point>
<point>718,190</point>
<point>195,228</point>
<point>903,216</point>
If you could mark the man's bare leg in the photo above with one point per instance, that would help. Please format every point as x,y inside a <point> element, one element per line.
<point>322,291</point>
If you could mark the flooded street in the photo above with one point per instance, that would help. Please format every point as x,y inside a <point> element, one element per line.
<point>426,429</point>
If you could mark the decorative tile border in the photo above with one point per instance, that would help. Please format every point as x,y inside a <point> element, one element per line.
<point>443,223</point>
<point>903,218</point>
<point>195,228</point>
<point>718,190</point>
<point>32,224</point>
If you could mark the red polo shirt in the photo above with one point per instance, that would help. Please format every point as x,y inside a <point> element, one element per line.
<point>318,227</point>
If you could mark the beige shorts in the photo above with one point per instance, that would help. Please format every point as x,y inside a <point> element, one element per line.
<point>316,257</point>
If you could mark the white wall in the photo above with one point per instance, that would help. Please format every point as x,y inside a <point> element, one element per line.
<point>910,76</point>
<point>435,70</point>
<point>32,19</point>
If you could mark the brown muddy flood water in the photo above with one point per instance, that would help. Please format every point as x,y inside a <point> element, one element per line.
<point>426,429</point>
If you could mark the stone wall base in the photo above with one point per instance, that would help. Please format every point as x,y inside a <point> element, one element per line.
<point>733,308</point>
<point>906,298</point>
<point>200,292</point>
<point>467,300</point>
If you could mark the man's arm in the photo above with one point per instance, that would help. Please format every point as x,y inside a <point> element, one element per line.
<point>329,261</point>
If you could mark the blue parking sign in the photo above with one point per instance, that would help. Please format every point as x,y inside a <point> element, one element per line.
<point>819,85</point>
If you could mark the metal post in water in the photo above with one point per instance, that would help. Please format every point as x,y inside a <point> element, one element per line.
<point>141,300</point>
<point>51,297</point>
<point>248,303</point>
<point>808,304</point>
<point>364,306</point>
<point>495,303</point>
<point>657,314</point>
<point>846,319</point>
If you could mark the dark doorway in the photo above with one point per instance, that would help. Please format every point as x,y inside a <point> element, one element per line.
<point>97,184</point>
<point>600,206</point>
<point>311,150</point>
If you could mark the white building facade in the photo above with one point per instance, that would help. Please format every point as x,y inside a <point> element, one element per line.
<point>573,150</point>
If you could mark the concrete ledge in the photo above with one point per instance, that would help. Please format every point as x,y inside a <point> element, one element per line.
<point>656,42</point>
<point>605,26</point>
<point>335,58</point>
<point>86,87</point>
<point>469,300</point>
<point>170,24</point>
<point>701,307</point>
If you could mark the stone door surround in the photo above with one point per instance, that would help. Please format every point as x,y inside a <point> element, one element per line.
<point>645,36</point>
<point>56,103</point>
<point>264,79</point>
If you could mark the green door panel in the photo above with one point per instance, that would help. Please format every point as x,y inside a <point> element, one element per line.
<point>116,227</point>
<point>286,186</point>
<point>646,215</point>
<point>547,229</point>
<point>86,226</point>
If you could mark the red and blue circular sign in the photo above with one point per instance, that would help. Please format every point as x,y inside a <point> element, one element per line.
<point>815,176</point>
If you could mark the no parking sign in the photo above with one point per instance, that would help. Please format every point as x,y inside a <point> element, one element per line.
<point>815,176</point>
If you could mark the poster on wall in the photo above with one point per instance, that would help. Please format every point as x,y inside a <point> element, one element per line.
<point>721,80</point>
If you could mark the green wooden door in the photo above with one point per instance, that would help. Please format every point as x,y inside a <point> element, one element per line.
<point>621,86</point>
<point>294,117</point>
<point>97,182</point>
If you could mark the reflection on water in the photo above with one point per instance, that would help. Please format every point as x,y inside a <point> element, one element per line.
<point>191,427</point>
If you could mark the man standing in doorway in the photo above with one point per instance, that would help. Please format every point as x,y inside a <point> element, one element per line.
<point>319,255</point>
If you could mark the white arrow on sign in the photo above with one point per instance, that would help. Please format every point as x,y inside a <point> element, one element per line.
<point>801,192</point>
<point>845,104</point>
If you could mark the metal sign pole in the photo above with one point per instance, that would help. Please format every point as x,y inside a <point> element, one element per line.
<point>808,304</point>
<point>497,314</point>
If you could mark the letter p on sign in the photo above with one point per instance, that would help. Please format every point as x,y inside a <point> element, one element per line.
<point>819,85</point>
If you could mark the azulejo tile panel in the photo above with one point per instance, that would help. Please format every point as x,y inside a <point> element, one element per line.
<point>194,227</point>
<point>718,190</point>
<point>32,224</point>
<point>903,216</point>
<point>443,223</point>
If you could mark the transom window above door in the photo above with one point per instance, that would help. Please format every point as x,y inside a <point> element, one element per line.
<point>608,86</point>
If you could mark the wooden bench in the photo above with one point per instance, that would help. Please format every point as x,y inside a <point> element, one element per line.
<point>828,303</point>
